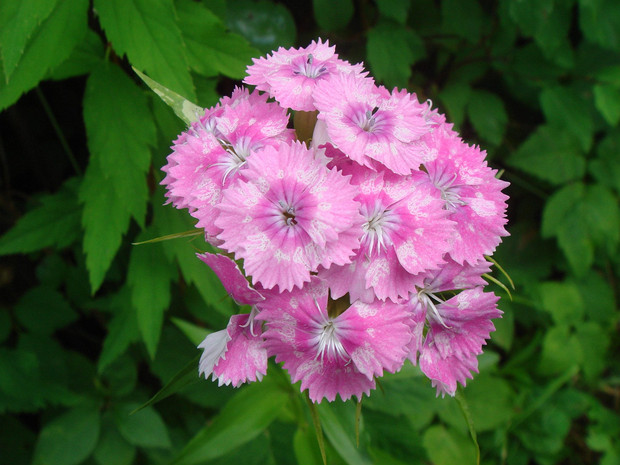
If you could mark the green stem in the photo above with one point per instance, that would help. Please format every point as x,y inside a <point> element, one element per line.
<point>58,131</point>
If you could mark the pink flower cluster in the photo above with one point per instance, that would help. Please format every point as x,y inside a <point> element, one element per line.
<point>358,249</point>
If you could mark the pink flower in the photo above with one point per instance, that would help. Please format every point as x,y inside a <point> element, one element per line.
<point>235,355</point>
<point>368,123</point>
<point>471,193</point>
<point>287,215</point>
<point>334,354</point>
<point>289,76</point>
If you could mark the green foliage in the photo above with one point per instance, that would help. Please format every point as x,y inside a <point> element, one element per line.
<point>98,336</point>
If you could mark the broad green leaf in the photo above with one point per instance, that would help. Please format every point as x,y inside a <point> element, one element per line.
<point>455,97</point>
<point>306,447</point>
<point>606,166</point>
<point>607,101</point>
<point>601,213</point>
<point>55,223</point>
<point>113,449</point>
<point>332,15</point>
<point>19,381</point>
<point>183,108</point>
<point>491,402</point>
<point>149,277</point>
<point>559,206</point>
<point>464,18</point>
<point>122,329</point>
<point>563,301</point>
<point>105,220</point>
<point>595,342</point>
<point>550,154</point>
<point>563,108</point>
<point>394,9</point>
<point>144,428</point>
<point>85,57</point>
<point>119,378</point>
<point>243,418</point>
<point>194,333</point>
<point>488,115</point>
<point>561,350</point>
<point>599,300</point>
<point>265,24</point>
<point>121,131</point>
<point>50,44</point>
<point>445,446</point>
<point>18,21</point>
<point>211,49</point>
<point>392,50</point>
<point>600,22</point>
<point>340,438</point>
<point>148,34</point>
<point>69,438</point>
<point>43,310</point>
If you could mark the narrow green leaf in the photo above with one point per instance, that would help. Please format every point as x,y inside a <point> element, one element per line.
<point>498,282</point>
<point>120,130</point>
<point>149,276</point>
<point>469,420</point>
<point>211,49</point>
<point>190,233</point>
<point>144,428</point>
<point>332,15</point>
<point>69,438</point>
<point>148,34</point>
<point>499,267</point>
<point>305,447</point>
<point>339,437</point>
<point>318,430</point>
<point>18,21</point>
<point>194,333</point>
<point>49,44</point>
<point>488,115</point>
<point>186,376</point>
<point>243,418</point>
<point>55,223</point>
<point>183,108</point>
<point>105,220</point>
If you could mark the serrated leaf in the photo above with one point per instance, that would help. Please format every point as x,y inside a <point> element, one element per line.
<point>149,276</point>
<point>70,438</point>
<point>607,101</point>
<point>105,220</point>
<point>18,20</point>
<point>488,115</point>
<point>55,223</point>
<point>85,57</point>
<point>145,428</point>
<point>243,418</point>
<point>50,44</point>
<point>148,34</point>
<point>392,50</point>
<point>564,109</point>
<point>332,15</point>
<point>550,154</point>
<point>120,130</point>
<point>211,49</point>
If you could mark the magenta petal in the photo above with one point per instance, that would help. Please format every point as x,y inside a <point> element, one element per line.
<point>232,278</point>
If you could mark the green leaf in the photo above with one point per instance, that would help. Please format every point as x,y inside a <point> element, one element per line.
<point>606,166</point>
<point>55,223</point>
<point>332,15</point>
<point>211,48</point>
<point>49,44</point>
<point>470,422</point>
<point>122,329</point>
<point>455,97</point>
<point>394,9</point>
<point>464,18</point>
<point>105,220</point>
<point>243,418</point>
<point>70,438</point>
<point>183,108</point>
<point>607,101</point>
<point>563,301</point>
<point>488,115</point>
<point>595,342</point>
<point>44,310</point>
<point>85,58</point>
<point>194,333</point>
<point>113,449</point>
<point>120,130</point>
<point>18,21</point>
<point>19,381</point>
<point>149,276</point>
<point>338,436</point>
<point>491,402</point>
<point>561,351</point>
<point>551,154</point>
<point>306,447</point>
<point>144,428</point>
<point>392,50</point>
<point>600,22</point>
<point>265,24</point>
<point>148,34</point>
<point>445,446</point>
<point>563,108</point>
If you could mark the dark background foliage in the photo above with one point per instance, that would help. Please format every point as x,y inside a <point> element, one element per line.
<point>91,326</point>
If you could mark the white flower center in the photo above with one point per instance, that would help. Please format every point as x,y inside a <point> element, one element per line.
<point>288,213</point>
<point>449,191</point>
<point>326,338</point>
<point>236,155</point>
